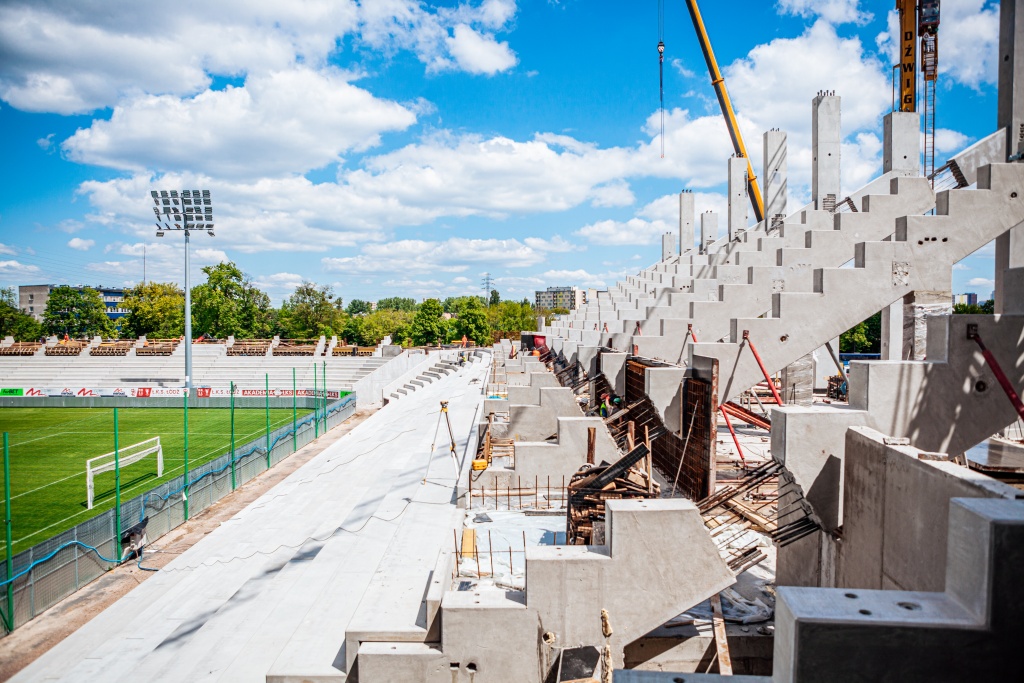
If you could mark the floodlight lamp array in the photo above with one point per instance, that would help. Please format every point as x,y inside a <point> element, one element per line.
<point>184,210</point>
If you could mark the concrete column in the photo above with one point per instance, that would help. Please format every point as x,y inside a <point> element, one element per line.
<point>917,306</point>
<point>798,381</point>
<point>901,143</point>
<point>774,174</point>
<point>825,141</point>
<point>708,229</point>
<point>668,246</point>
<point>686,220</point>
<point>892,331</point>
<point>1010,246</point>
<point>738,199</point>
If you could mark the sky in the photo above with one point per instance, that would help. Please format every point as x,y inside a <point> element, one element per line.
<point>402,148</point>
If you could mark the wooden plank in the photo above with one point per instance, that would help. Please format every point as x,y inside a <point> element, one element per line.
<point>468,542</point>
<point>721,642</point>
<point>762,523</point>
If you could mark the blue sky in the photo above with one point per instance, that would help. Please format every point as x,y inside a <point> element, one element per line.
<point>392,147</point>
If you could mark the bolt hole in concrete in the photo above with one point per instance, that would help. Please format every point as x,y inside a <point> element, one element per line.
<point>783,338</point>
<point>945,239</point>
<point>980,386</point>
<point>866,612</point>
<point>909,605</point>
<point>471,667</point>
<point>454,666</point>
<point>549,637</point>
<point>1013,195</point>
<point>851,595</point>
<point>920,241</point>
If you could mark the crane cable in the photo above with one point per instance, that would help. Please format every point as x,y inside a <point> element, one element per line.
<point>661,69</point>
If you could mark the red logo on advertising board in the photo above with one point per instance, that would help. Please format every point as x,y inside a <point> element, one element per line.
<point>86,392</point>
<point>202,392</point>
<point>34,392</point>
<point>142,392</point>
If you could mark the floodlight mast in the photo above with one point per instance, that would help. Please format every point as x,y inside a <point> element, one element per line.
<point>189,204</point>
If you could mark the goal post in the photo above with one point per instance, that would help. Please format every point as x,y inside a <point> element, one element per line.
<point>127,456</point>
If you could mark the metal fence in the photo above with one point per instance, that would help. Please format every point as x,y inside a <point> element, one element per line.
<point>52,570</point>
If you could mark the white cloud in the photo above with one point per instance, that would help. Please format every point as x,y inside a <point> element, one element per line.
<point>478,53</point>
<point>615,193</point>
<point>46,143</point>
<point>71,58</point>
<point>969,52</point>
<point>960,266</point>
<point>4,249</point>
<point>947,140</point>
<point>981,282</point>
<point>652,221</point>
<point>968,41</point>
<point>81,245</point>
<point>14,268</point>
<point>278,123</point>
<point>556,244</point>
<point>574,277</point>
<point>453,255</point>
<point>279,285</point>
<point>460,280</point>
<point>680,67</point>
<point>834,11</point>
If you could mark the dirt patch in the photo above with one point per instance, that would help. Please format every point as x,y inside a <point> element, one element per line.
<point>31,641</point>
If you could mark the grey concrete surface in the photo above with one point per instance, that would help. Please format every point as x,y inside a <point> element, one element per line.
<point>269,594</point>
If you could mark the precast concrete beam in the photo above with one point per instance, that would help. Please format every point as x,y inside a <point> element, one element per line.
<point>920,258</point>
<point>774,172</point>
<point>738,199</point>
<point>826,139</point>
<point>708,229</point>
<point>901,142</point>
<point>686,221</point>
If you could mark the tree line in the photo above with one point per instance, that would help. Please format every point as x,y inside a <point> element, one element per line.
<point>229,303</point>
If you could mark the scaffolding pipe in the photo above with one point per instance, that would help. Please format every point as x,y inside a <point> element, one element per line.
<point>760,364</point>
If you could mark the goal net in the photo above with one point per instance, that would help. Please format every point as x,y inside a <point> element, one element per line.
<point>126,456</point>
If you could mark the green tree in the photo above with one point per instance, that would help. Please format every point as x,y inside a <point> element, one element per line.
<point>428,326</point>
<point>864,337</point>
<point>379,324</point>
<point>77,313</point>
<point>511,317</point>
<point>13,322</point>
<point>310,312</point>
<point>985,307</point>
<point>230,304</point>
<point>495,298</point>
<point>396,303</point>
<point>155,309</point>
<point>550,313</point>
<point>357,306</point>
<point>471,321</point>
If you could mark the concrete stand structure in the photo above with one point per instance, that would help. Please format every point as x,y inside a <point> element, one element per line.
<point>876,533</point>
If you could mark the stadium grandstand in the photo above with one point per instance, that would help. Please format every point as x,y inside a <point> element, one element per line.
<point>40,368</point>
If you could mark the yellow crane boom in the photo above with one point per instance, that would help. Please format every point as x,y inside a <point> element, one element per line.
<point>730,116</point>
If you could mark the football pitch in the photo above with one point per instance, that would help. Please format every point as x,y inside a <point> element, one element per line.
<point>49,447</point>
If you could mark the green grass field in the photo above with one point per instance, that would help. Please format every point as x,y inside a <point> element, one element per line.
<point>49,447</point>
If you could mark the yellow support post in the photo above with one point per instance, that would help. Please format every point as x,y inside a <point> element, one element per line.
<point>756,200</point>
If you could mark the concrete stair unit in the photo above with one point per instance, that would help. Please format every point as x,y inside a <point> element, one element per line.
<point>946,404</point>
<point>658,562</point>
<point>437,371</point>
<point>920,258</point>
